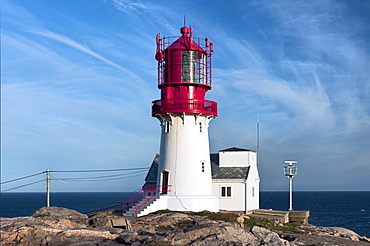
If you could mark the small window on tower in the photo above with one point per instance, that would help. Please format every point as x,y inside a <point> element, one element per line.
<point>167,128</point>
<point>202,167</point>
<point>200,127</point>
<point>226,191</point>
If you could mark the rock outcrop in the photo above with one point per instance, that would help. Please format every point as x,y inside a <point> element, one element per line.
<point>59,212</point>
<point>59,226</point>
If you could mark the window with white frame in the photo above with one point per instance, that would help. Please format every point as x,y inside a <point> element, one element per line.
<point>225,191</point>
<point>167,127</point>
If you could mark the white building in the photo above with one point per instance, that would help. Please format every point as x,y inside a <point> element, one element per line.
<point>235,179</point>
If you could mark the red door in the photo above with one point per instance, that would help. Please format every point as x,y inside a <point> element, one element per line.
<point>164,182</point>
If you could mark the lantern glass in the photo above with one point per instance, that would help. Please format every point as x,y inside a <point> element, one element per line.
<point>290,171</point>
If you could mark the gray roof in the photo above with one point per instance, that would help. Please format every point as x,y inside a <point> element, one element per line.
<point>227,172</point>
<point>153,171</point>
<point>217,172</point>
<point>234,149</point>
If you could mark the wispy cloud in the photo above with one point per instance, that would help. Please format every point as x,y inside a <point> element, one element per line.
<point>128,6</point>
<point>67,41</point>
<point>149,13</point>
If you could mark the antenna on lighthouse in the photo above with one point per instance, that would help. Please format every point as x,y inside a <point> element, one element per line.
<point>290,171</point>
<point>184,20</point>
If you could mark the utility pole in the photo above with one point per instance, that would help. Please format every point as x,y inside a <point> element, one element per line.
<point>47,187</point>
<point>290,171</point>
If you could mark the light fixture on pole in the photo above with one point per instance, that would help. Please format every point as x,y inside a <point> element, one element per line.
<point>290,171</point>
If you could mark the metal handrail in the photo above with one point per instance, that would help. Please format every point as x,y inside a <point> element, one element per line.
<point>138,198</point>
<point>147,199</point>
<point>101,209</point>
<point>184,105</point>
<point>141,199</point>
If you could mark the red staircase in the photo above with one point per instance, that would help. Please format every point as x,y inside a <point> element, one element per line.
<point>138,202</point>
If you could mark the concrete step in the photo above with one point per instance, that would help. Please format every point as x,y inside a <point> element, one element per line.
<point>133,211</point>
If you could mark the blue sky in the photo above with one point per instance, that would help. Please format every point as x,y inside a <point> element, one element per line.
<point>78,78</point>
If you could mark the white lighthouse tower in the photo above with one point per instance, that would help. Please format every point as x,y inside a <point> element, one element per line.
<point>184,76</point>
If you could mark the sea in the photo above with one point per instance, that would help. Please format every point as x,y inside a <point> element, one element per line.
<point>346,209</point>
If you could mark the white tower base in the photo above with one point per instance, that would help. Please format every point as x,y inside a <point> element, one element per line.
<point>183,203</point>
<point>184,170</point>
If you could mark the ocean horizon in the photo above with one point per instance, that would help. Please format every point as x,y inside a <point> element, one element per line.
<point>348,209</point>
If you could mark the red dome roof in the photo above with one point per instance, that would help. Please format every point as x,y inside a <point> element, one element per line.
<point>185,42</point>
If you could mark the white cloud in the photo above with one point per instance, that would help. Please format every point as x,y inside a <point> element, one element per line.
<point>67,41</point>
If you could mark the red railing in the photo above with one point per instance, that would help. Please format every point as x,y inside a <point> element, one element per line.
<point>144,196</point>
<point>110,206</point>
<point>139,200</point>
<point>184,106</point>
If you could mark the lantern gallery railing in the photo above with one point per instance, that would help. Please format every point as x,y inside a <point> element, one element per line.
<point>195,66</point>
<point>184,106</point>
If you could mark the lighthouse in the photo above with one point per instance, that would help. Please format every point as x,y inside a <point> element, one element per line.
<point>184,168</point>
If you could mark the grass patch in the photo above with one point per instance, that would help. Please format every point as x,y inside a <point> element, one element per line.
<point>164,211</point>
<point>251,223</point>
<point>285,228</point>
<point>228,217</point>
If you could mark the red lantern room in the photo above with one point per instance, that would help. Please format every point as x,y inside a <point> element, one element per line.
<point>184,74</point>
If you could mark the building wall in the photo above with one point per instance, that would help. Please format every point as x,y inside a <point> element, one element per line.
<point>237,158</point>
<point>244,193</point>
<point>253,185</point>
<point>252,193</point>
<point>236,202</point>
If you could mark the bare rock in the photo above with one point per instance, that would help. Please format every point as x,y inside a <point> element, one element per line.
<point>59,227</point>
<point>110,220</point>
<point>52,231</point>
<point>185,229</point>
<point>59,212</point>
<point>268,237</point>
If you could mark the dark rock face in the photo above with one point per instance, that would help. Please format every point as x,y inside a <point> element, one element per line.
<point>59,227</point>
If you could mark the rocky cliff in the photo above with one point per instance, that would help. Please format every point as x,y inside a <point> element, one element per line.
<point>59,226</point>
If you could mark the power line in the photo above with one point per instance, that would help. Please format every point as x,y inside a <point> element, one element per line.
<point>119,199</point>
<point>101,170</point>
<point>107,176</point>
<point>96,180</point>
<point>22,178</point>
<point>138,171</point>
<point>24,185</point>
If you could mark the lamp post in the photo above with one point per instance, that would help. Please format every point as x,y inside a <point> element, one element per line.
<point>290,171</point>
